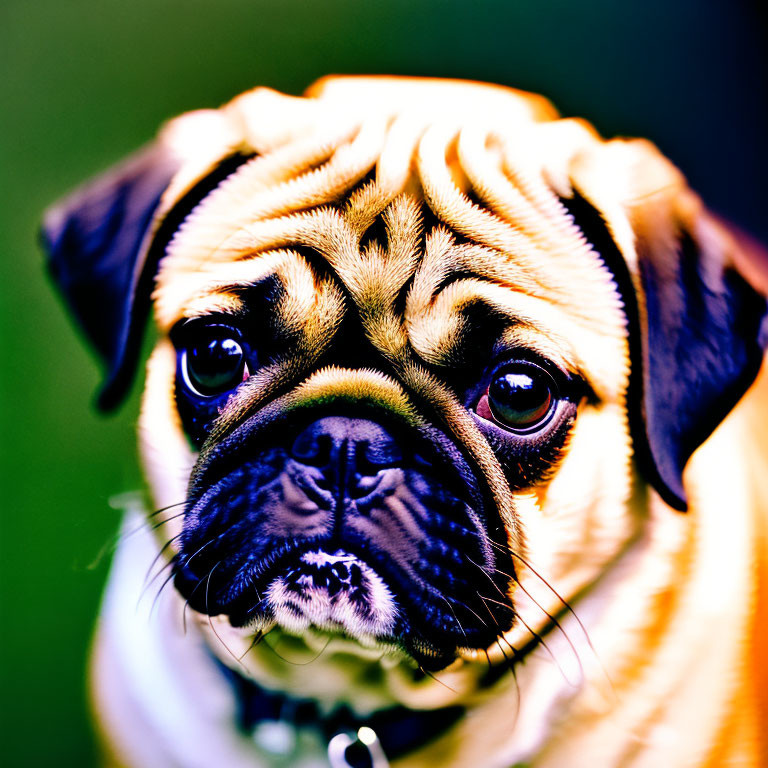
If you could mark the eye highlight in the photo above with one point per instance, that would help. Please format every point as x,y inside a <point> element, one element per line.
<point>521,397</point>
<point>214,362</point>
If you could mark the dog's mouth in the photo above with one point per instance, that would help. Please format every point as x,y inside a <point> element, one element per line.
<point>336,592</point>
<point>426,611</point>
<point>390,554</point>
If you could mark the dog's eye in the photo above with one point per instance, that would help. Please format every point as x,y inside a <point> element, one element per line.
<point>214,364</point>
<point>521,396</point>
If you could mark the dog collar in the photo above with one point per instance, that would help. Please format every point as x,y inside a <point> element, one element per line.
<point>354,741</point>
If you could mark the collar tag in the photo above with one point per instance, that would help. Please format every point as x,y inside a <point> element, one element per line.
<point>367,745</point>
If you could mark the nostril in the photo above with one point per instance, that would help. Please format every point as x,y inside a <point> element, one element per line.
<point>372,457</point>
<point>312,449</point>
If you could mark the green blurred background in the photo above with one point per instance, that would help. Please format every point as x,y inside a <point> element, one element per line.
<point>86,81</point>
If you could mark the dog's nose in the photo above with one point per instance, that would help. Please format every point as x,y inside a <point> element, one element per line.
<point>349,452</point>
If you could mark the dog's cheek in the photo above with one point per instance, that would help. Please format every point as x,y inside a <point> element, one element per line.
<point>587,512</point>
<point>166,456</point>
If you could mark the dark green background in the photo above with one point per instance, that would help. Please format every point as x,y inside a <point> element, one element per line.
<point>86,81</point>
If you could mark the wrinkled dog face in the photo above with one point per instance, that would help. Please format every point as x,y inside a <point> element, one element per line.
<point>404,355</point>
<point>379,400</point>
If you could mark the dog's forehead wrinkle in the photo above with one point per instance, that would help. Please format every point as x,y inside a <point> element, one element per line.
<point>290,181</point>
<point>373,292</point>
<point>514,191</point>
<point>430,140</point>
<point>366,277</point>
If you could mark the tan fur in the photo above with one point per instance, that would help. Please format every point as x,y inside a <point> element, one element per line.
<point>654,622</point>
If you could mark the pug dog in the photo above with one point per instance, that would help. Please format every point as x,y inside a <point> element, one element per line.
<point>445,434</point>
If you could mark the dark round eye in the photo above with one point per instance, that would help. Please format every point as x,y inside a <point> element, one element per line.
<point>521,397</point>
<point>213,365</point>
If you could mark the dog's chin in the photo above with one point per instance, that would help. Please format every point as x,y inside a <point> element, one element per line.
<point>348,593</point>
<point>329,594</point>
<point>329,664</point>
<point>336,593</point>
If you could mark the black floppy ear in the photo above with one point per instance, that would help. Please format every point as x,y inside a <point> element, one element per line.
<point>106,239</point>
<point>95,240</point>
<point>697,326</point>
<point>703,331</point>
